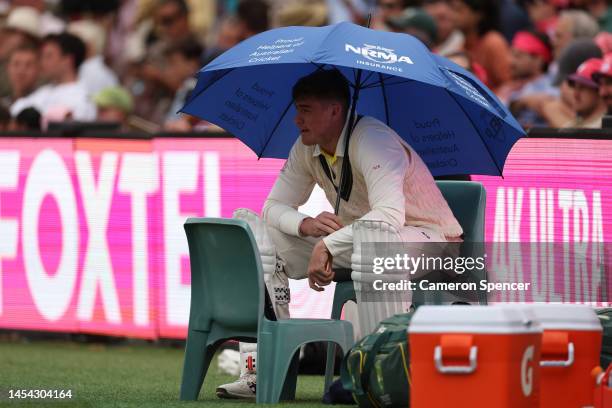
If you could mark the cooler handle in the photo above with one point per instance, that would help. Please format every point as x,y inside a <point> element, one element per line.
<point>561,363</point>
<point>455,369</point>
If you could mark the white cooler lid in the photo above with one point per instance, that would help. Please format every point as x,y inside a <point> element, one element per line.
<point>565,317</point>
<point>473,319</point>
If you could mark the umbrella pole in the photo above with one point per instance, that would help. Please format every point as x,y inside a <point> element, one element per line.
<point>348,131</point>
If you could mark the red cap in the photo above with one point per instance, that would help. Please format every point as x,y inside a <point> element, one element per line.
<point>585,71</point>
<point>604,69</point>
<point>531,44</point>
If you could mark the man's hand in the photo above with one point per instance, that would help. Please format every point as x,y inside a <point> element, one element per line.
<point>320,271</point>
<point>323,225</point>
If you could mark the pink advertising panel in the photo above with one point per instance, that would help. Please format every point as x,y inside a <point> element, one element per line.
<point>91,231</point>
<point>557,193</point>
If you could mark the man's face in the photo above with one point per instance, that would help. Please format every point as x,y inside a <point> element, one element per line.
<point>180,67</point>
<point>605,90</point>
<point>315,118</point>
<point>524,65</point>
<point>563,35</point>
<point>389,8</point>
<point>110,114</point>
<point>444,16</point>
<point>22,70</point>
<point>53,63</point>
<point>586,99</point>
<point>171,22</point>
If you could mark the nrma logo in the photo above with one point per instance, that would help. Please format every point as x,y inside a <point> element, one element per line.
<point>378,54</point>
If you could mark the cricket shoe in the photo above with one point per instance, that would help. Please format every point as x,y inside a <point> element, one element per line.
<point>243,388</point>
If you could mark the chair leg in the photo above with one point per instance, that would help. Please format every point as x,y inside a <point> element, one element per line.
<point>272,370</point>
<point>197,359</point>
<point>288,393</point>
<point>329,365</point>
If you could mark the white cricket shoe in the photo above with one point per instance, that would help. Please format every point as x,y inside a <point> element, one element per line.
<point>243,388</point>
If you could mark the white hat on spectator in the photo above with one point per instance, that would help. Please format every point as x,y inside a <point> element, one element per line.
<point>26,19</point>
<point>91,33</point>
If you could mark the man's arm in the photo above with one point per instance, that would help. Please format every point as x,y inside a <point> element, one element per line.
<point>383,161</point>
<point>291,189</point>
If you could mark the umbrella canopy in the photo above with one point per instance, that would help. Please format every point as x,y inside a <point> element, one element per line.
<point>445,113</point>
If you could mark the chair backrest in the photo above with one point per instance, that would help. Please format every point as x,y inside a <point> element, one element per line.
<point>467,200</point>
<point>226,274</point>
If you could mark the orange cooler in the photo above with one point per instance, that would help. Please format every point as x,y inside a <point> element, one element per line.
<point>474,356</point>
<point>571,344</point>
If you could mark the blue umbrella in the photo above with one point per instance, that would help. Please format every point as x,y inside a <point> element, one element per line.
<point>445,113</point>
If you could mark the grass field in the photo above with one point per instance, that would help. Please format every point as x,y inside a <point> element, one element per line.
<point>116,376</point>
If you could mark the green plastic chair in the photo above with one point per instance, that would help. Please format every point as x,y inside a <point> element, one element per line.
<point>467,200</point>
<point>227,302</point>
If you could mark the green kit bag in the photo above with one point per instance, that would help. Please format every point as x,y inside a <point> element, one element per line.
<point>377,370</point>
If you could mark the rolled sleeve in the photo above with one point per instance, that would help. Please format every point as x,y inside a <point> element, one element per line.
<point>291,189</point>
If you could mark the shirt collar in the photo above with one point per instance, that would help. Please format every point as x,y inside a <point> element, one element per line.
<point>340,146</point>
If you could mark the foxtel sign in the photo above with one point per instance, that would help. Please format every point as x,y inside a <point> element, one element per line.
<point>91,230</point>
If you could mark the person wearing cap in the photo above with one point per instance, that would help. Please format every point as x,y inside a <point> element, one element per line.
<point>530,56</point>
<point>114,104</point>
<point>588,106</point>
<point>558,110</point>
<point>603,77</point>
<point>416,22</point>
<point>21,26</point>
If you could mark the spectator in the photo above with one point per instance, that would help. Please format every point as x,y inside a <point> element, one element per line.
<point>589,107</point>
<point>603,77</point>
<point>602,11</point>
<point>253,17</point>
<point>183,63</point>
<point>386,9</point>
<point>559,111</point>
<point>93,72</point>
<point>21,26</point>
<point>227,35</point>
<point>22,70</point>
<point>416,22</point>
<point>27,120</point>
<point>114,104</point>
<point>61,56</point>
<point>478,20</point>
<point>309,13</point>
<point>450,39</point>
<point>543,15</point>
<point>512,19</point>
<point>572,25</point>
<point>531,54</point>
<point>5,119</point>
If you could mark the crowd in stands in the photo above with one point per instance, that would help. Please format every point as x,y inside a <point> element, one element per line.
<point>134,62</point>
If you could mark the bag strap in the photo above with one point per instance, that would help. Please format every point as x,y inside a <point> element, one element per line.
<point>347,185</point>
<point>358,383</point>
<point>370,358</point>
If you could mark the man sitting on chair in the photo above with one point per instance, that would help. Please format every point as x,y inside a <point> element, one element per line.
<point>388,182</point>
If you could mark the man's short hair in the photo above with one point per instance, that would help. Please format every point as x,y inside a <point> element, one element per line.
<point>69,44</point>
<point>190,49</point>
<point>254,14</point>
<point>181,4</point>
<point>323,84</point>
